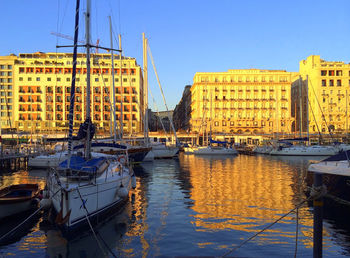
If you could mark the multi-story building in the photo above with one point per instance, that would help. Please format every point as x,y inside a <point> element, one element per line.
<point>6,90</point>
<point>321,96</point>
<point>182,111</point>
<point>41,86</point>
<point>242,101</point>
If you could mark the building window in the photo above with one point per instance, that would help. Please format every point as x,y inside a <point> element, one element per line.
<point>216,123</point>
<point>20,79</point>
<point>29,79</point>
<point>324,83</point>
<point>48,79</point>
<point>339,73</point>
<point>338,82</point>
<point>68,79</point>
<point>331,83</point>
<point>125,79</point>
<point>323,73</point>
<point>38,79</point>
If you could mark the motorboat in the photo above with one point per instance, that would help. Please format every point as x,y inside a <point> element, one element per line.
<point>15,199</point>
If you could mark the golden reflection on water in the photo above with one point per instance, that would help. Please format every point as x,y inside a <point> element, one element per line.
<point>246,193</point>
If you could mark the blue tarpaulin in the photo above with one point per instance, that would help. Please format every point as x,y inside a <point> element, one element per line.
<point>80,164</point>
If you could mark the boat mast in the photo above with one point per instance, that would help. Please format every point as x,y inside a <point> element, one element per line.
<point>307,110</point>
<point>300,107</point>
<point>121,87</point>
<point>72,90</point>
<point>145,89</point>
<point>113,89</point>
<point>346,112</point>
<point>88,89</point>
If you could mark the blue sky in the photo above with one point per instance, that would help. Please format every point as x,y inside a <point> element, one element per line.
<point>189,36</point>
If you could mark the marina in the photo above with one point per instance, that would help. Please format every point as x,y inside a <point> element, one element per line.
<point>169,213</point>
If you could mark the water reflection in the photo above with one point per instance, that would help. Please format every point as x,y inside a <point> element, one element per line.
<point>108,243</point>
<point>245,194</point>
<point>196,206</point>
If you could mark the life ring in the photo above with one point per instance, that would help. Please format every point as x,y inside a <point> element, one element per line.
<point>122,159</point>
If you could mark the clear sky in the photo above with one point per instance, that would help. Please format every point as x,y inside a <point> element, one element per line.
<point>189,36</point>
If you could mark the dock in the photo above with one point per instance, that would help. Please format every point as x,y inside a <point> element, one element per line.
<point>14,162</point>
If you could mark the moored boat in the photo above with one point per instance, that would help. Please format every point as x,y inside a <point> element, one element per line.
<point>18,198</point>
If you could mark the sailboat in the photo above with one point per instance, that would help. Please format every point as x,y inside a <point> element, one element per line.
<point>286,148</point>
<point>82,187</point>
<point>160,149</point>
<point>222,148</point>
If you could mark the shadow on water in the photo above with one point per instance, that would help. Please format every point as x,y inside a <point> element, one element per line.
<point>10,223</point>
<point>107,243</point>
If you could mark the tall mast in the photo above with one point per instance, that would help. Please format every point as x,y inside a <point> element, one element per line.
<point>88,89</point>
<point>72,91</point>
<point>300,107</point>
<point>307,110</point>
<point>346,112</point>
<point>121,87</point>
<point>113,89</point>
<point>145,88</point>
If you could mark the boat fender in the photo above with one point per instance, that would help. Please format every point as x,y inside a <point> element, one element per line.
<point>133,181</point>
<point>122,192</point>
<point>45,203</point>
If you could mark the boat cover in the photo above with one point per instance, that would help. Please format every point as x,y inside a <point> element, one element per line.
<point>80,164</point>
<point>218,142</point>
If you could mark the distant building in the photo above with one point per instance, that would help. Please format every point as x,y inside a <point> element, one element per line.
<point>35,91</point>
<point>182,111</point>
<point>251,101</point>
<point>325,86</point>
<point>159,121</point>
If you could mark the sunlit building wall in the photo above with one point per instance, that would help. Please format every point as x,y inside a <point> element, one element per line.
<point>6,90</point>
<point>41,91</point>
<point>325,86</point>
<point>242,101</point>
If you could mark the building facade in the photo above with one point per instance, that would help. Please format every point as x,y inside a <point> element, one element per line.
<point>321,96</point>
<point>249,101</point>
<point>41,84</point>
<point>182,111</point>
<point>6,90</point>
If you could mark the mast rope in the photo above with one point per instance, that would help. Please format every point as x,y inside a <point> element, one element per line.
<point>315,193</point>
<point>92,229</point>
<point>161,90</point>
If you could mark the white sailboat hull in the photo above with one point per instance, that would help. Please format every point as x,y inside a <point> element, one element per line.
<point>161,152</point>
<point>53,160</point>
<point>315,150</point>
<point>98,196</point>
<point>215,151</point>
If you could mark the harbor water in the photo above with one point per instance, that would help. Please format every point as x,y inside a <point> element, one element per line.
<point>193,206</point>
